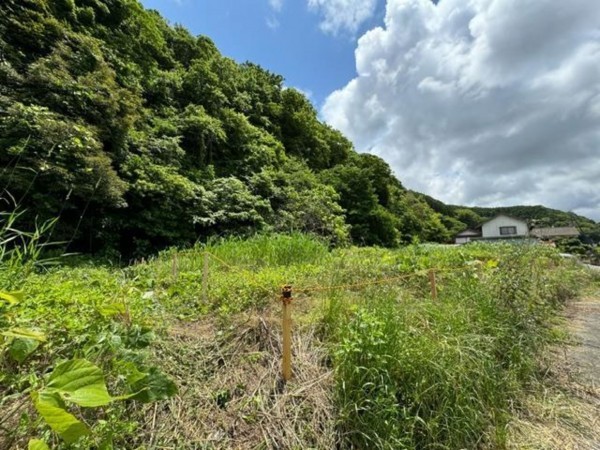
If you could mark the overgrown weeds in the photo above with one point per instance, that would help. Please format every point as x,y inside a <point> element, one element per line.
<point>417,373</point>
<point>69,342</point>
<point>377,363</point>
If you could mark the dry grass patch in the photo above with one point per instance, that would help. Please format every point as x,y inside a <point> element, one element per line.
<point>562,411</point>
<point>561,416</point>
<point>231,392</point>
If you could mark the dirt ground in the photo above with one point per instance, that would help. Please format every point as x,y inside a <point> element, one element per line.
<point>563,411</point>
<point>584,322</point>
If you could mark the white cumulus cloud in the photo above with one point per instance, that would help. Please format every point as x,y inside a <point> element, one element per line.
<point>343,15</point>
<point>482,102</point>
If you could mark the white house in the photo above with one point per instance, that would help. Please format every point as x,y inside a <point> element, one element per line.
<point>500,227</point>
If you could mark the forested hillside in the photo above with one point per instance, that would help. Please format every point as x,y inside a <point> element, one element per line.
<point>138,135</point>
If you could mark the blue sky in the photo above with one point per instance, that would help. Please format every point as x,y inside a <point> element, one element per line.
<point>285,39</point>
<point>474,102</point>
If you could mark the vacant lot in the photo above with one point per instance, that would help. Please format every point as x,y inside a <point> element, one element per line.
<point>379,360</point>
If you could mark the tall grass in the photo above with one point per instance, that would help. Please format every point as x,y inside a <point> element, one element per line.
<point>414,373</point>
<point>271,250</point>
<point>242,274</point>
<point>21,250</point>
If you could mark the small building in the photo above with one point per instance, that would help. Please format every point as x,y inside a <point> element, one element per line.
<point>467,236</point>
<point>504,227</point>
<point>548,233</point>
<point>500,227</point>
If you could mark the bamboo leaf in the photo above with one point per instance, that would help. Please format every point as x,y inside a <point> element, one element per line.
<point>22,333</point>
<point>112,309</point>
<point>12,297</point>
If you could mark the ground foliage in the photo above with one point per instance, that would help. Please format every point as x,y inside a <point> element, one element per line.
<point>377,365</point>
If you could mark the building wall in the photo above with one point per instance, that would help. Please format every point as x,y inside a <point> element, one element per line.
<point>491,229</point>
<point>462,240</point>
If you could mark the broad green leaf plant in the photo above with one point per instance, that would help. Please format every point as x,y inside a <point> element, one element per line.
<point>77,381</point>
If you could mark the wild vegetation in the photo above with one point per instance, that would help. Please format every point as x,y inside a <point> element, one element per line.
<point>378,362</point>
<point>121,136</point>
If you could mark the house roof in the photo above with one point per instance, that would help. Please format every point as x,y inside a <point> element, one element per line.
<point>469,233</point>
<point>504,215</point>
<point>555,232</point>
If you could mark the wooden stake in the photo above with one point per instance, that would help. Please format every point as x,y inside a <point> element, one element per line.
<point>175,267</point>
<point>432,283</point>
<point>286,300</point>
<point>205,280</point>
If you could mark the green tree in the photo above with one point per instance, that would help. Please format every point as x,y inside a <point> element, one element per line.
<point>370,223</point>
<point>470,218</point>
<point>230,207</point>
<point>419,220</point>
<point>300,202</point>
<point>202,136</point>
<point>305,137</point>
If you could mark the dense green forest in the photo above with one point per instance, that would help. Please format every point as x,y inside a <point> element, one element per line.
<point>138,135</point>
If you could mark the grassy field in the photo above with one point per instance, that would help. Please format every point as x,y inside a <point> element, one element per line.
<point>378,363</point>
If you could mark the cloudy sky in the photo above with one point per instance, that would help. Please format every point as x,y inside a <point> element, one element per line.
<point>479,102</point>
